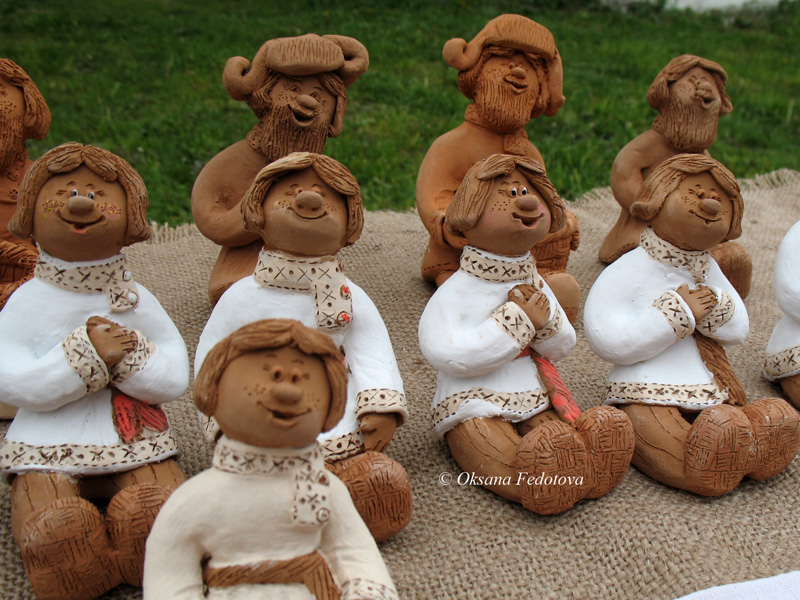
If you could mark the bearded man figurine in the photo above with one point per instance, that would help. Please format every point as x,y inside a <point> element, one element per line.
<point>689,95</point>
<point>512,71</point>
<point>297,88</point>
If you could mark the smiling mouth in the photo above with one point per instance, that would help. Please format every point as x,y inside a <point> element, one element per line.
<point>80,226</point>
<point>706,220</point>
<point>284,416</point>
<point>517,85</point>
<point>527,220</point>
<point>314,217</point>
<point>303,118</point>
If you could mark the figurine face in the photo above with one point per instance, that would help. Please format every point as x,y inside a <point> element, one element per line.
<point>79,216</point>
<point>308,102</point>
<point>506,91</point>
<point>303,215</point>
<point>515,218</point>
<point>274,398</point>
<point>697,86</point>
<point>696,216</point>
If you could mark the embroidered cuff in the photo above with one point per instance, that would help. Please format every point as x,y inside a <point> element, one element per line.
<point>85,361</point>
<point>782,364</point>
<point>719,315</point>
<point>671,305</point>
<point>513,320</point>
<point>552,327</point>
<point>382,401</point>
<point>364,589</point>
<point>340,447</point>
<point>133,361</point>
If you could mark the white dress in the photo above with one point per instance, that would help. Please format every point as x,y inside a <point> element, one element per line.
<point>783,348</point>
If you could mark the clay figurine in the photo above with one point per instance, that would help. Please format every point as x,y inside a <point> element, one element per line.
<point>23,115</point>
<point>297,88</point>
<point>689,95</point>
<point>512,72</point>
<point>88,356</point>
<point>488,328</point>
<point>306,207</point>
<point>782,364</point>
<point>267,520</point>
<point>662,314</point>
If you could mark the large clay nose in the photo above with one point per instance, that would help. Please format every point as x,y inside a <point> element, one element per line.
<point>519,73</point>
<point>287,393</point>
<point>80,205</point>
<point>527,203</point>
<point>308,200</point>
<point>710,206</point>
<point>307,102</point>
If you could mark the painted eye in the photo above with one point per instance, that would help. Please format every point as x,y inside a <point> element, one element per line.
<point>90,195</point>
<point>524,191</point>
<point>277,373</point>
<point>513,192</point>
<point>73,192</point>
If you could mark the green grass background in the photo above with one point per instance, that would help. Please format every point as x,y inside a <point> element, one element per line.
<point>143,79</point>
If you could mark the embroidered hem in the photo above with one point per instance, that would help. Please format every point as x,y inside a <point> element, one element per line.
<point>84,360</point>
<point>721,313</point>
<point>695,397</point>
<point>696,261</point>
<point>518,403</point>
<point>782,364</point>
<point>494,269</point>
<point>381,400</point>
<point>133,361</point>
<point>513,320</point>
<point>671,306</point>
<point>18,457</point>
<point>364,589</point>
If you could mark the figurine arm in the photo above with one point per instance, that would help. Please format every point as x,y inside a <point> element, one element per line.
<point>351,552</point>
<point>627,171</point>
<point>556,337</point>
<point>787,274</point>
<point>728,322</point>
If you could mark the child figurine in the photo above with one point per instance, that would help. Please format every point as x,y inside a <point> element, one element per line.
<point>661,313</point>
<point>487,329</point>
<point>781,364</point>
<point>267,520</point>
<point>88,356</point>
<point>306,207</point>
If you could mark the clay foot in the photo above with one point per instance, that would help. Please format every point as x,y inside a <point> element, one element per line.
<point>776,436</point>
<point>608,436</point>
<point>130,517</point>
<point>380,490</point>
<point>66,552</point>
<point>717,450</point>
<point>555,468</point>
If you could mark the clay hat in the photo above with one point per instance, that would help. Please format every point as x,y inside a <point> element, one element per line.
<point>519,33</point>
<point>299,56</point>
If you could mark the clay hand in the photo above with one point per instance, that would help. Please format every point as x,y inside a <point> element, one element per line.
<point>533,303</point>
<point>701,300</point>
<point>112,341</point>
<point>378,429</point>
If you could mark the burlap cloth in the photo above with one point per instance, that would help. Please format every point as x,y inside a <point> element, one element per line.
<point>643,540</point>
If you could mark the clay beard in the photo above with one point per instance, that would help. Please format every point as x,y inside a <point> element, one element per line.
<point>687,127</point>
<point>277,135</point>
<point>12,142</point>
<point>503,109</point>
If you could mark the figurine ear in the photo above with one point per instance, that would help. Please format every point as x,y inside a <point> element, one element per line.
<point>337,123</point>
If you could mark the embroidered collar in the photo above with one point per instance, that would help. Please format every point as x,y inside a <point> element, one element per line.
<point>110,276</point>
<point>323,276</point>
<point>696,261</point>
<point>311,505</point>
<point>494,267</point>
<point>513,143</point>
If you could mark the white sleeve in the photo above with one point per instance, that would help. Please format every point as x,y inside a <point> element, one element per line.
<point>787,273</point>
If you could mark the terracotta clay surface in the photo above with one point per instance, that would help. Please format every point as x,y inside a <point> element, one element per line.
<point>512,71</point>
<point>306,207</point>
<point>89,379</point>
<point>689,95</point>
<point>267,520</point>
<point>297,88</point>
<point>662,315</point>
<point>502,408</point>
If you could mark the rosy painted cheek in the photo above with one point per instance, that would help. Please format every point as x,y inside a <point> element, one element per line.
<point>111,211</point>
<point>52,205</point>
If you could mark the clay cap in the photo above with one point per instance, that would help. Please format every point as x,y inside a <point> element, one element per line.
<point>508,31</point>
<point>300,56</point>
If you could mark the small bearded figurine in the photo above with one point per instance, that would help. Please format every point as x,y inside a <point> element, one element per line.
<point>661,314</point>
<point>297,88</point>
<point>689,95</point>
<point>88,356</point>
<point>487,330</point>
<point>307,207</point>
<point>267,520</point>
<point>512,71</point>
<point>23,115</point>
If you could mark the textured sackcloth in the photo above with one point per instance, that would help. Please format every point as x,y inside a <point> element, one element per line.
<point>643,540</point>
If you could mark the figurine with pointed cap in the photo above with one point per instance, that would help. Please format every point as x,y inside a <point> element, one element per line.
<point>689,95</point>
<point>662,314</point>
<point>297,88</point>
<point>267,520</point>
<point>88,356</point>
